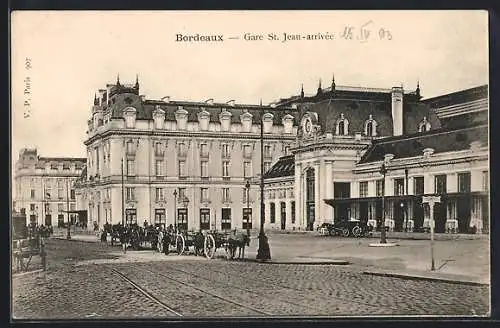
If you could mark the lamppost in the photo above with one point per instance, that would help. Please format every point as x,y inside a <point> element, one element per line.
<point>383,240</point>
<point>175,210</point>
<point>68,235</point>
<point>247,186</point>
<point>185,202</point>
<point>402,205</point>
<point>263,253</point>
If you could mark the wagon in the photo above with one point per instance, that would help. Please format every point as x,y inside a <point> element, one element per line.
<point>346,228</point>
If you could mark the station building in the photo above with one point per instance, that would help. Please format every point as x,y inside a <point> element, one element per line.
<point>435,146</point>
<point>168,161</point>
<point>45,187</point>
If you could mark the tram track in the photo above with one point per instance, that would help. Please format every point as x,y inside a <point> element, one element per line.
<point>145,293</point>
<point>212,294</point>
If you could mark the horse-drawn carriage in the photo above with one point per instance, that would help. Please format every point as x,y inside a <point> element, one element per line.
<point>27,241</point>
<point>346,228</point>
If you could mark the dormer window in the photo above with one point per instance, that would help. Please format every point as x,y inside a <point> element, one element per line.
<point>268,122</point>
<point>370,127</point>
<point>342,126</point>
<point>287,123</point>
<point>159,118</point>
<point>203,119</point>
<point>225,120</point>
<point>130,114</point>
<point>181,116</point>
<point>246,121</point>
<point>424,126</point>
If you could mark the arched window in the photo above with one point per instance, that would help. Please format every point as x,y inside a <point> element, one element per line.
<point>342,128</point>
<point>370,127</point>
<point>424,126</point>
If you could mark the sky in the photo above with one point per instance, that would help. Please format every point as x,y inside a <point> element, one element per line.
<point>73,54</point>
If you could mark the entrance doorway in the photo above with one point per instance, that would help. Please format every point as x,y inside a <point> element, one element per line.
<point>363,213</point>
<point>283,215</point>
<point>399,215</point>
<point>204,219</point>
<point>182,219</point>
<point>440,217</point>
<point>463,214</point>
<point>310,196</point>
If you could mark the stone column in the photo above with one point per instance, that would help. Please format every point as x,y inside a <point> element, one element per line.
<point>321,194</point>
<point>329,210</point>
<point>288,211</point>
<point>317,205</point>
<point>303,200</point>
<point>298,192</point>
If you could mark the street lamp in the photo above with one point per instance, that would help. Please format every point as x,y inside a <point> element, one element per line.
<point>175,210</point>
<point>404,216</point>
<point>68,235</point>
<point>383,240</point>
<point>264,252</point>
<point>247,186</point>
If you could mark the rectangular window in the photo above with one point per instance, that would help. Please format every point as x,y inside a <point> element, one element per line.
<point>159,168</point>
<point>182,169</point>
<point>418,185</point>
<point>464,182</point>
<point>293,212</point>
<point>267,150</point>
<point>272,208</point>
<point>247,218</point>
<point>204,169</point>
<point>130,147</point>
<point>204,194</point>
<point>72,193</point>
<point>440,184</point>
<point>225,150</point>
<point>130,193</point>
<point>247,151</point>
<point>48,192</point>
<point>32,207</point>
<point>130,167</point>
<point>225,169</point>
<point>158,149</point>
<point>32,193</point>
<point>363,189</point>
<point>486,181</point>
<point>204,218</point>
<point>380,186</point>
<point>72,207</point>
<point>204,150</point>
<point>226,219</point>
<point>182,193</point>
<point>244,198</point>
<point>160,217</point>
<point>340,190</point>
<point>182,149</point>
<point>130,216</point>
<point>60,208</point>
<point>160,197</point>
<point>225,195</point>
<point>97,158</point>
<point>247,169</point>
<point>399,187</point>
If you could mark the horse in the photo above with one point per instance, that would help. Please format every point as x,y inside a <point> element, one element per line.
<point>199,243</point>
<point>238,241</point>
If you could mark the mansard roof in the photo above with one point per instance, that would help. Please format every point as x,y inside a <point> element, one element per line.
<point>441,140</point>
<point>284,167</point>
<point>357,111</point>
<point>145,109</point>
<point>458,97</point>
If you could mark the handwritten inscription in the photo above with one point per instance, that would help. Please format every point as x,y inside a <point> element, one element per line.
<point>27,88</point>
<point>363,33</point>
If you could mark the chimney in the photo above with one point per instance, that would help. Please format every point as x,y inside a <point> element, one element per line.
<point>397,110</point>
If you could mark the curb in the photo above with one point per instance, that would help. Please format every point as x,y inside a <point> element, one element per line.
<point>383,245</point>
<point>292,262</point>
<point>424,278</point>
<point>16,275</point>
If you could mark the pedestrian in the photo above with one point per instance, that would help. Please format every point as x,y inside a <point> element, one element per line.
<point>124,239</point>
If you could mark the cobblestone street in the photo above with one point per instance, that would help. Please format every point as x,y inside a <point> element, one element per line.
<point>199,287</point>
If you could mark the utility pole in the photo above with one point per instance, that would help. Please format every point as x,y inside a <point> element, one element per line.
<point>264,252</point>
<point>123,196</point>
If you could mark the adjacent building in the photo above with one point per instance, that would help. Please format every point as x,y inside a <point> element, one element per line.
<point>194,164</point>
<point>435,146</point>
<point>45,186</point>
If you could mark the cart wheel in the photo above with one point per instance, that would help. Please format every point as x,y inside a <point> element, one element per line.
<point>356,231</point>
<point>180,244</point>
<point>345,232</point>
<point>209,246</point>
